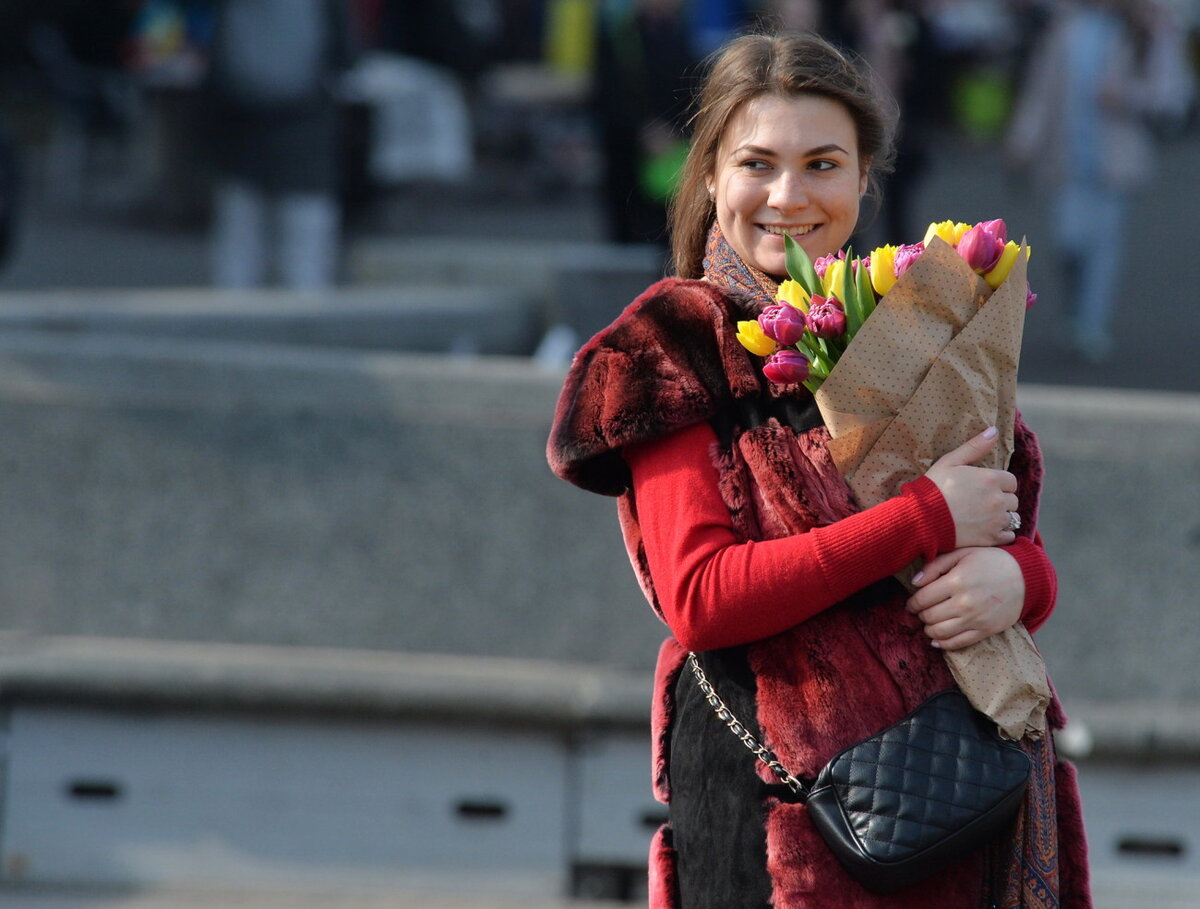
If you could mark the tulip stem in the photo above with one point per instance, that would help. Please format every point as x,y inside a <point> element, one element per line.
<point>818,354</point>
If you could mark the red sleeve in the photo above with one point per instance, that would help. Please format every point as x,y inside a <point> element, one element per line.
<point>1041,581</point>
<point>717,590</point>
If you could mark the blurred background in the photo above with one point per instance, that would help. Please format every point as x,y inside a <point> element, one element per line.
<point>292,612</point>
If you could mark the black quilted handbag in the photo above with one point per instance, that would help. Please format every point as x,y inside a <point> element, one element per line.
<point>902,804</point>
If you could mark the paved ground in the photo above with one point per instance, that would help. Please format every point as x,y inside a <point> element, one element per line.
<point>235,899</point>
<point>1140,890</point>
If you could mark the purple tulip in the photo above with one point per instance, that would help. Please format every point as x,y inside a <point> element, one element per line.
<point>905,257</point>
<point>826,317</point>
<point>982,245</point>
<point>786,367</point>
<point>782,323</point>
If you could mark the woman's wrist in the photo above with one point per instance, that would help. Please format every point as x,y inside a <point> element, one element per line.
<point>935,524</point>
<point>1041,582</point>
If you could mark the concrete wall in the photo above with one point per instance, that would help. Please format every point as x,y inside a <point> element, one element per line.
<point>1121,519</point>
<point>217,491</point>
<point>259,494</point>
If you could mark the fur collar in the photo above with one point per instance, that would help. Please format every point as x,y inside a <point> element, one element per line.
<point>669,361</point>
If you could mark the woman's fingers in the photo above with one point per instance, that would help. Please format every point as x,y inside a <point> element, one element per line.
<point>966,595</point>
<point>970,451</point>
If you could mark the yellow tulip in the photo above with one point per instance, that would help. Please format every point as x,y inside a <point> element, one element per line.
<point>831,284</point>
<point>943,229</point>
<point>883,269</point>
<point>793,292</point>
<point>950,231</point>
<point>753,338</point>
<point>1000,271</point>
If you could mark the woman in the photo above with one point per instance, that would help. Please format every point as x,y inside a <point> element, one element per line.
<point>748,544</point>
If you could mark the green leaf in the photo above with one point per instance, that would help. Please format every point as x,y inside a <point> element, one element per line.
<point>799,266</point>
<point>866,293</point>
<point>849,295</point>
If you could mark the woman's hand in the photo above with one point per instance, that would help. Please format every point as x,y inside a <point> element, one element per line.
<point>967,595</point>
<point>979,498</point>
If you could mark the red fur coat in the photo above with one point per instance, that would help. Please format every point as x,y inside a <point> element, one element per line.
<point>671,360</point>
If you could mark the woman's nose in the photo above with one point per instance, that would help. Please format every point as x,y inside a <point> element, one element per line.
<point>787,192</point>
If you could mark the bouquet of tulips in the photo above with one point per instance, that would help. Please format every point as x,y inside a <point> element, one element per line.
<point>823,304</point>
<point>909,353</point>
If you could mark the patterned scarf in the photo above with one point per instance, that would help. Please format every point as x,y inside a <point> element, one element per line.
<point>725,268</point>
<point>1023,870</point>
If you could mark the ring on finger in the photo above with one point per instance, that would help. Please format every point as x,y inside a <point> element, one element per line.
<point>1014,522</point>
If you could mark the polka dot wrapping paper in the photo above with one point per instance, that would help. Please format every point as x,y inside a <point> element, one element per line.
<point>934,365</point>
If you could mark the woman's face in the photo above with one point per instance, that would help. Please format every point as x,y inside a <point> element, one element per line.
<point>788,165</point>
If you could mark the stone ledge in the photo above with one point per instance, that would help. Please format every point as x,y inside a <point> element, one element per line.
<point>125,672</point>
<point>424,317</point>
<point>1131,730</point>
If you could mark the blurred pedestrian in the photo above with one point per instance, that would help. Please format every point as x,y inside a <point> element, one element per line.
<point>641,96</point>
<point>275,140</point>
<point>903,51</point>
<point>1100,77</point>
<point>792,15</point>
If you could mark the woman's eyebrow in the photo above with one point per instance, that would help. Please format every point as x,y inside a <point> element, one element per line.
<point>769,152</point>
<point>826,149</point>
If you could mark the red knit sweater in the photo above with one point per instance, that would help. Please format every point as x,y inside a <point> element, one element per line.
<point>717,590</point>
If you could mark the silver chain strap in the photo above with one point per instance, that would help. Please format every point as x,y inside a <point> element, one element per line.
<point>726,716</point>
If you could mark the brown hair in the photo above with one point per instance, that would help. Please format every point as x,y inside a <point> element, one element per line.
<point>785,65</point>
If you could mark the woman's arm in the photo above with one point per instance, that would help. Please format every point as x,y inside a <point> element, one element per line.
<point>717,590</point>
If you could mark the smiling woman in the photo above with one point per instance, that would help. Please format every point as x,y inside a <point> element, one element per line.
<point>749,544</point>
<point>785,74</point>
<point>787,166</point>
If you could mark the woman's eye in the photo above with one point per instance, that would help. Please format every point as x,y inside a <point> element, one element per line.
<point>754,164</point>
<point>823,165</point>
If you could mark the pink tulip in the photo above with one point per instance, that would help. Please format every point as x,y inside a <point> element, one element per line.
<point>983,244</point>
<point>905,257</point>
<point>821,263</point>
<point>997,227</point>
<point>786,367</point>
<point>1030,297</point>
<point>782,323</point>
<point>826,317</point>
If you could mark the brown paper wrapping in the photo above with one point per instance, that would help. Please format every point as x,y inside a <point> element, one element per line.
<point>933,366</point>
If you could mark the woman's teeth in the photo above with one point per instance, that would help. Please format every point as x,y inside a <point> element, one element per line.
<point>791,231</point>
